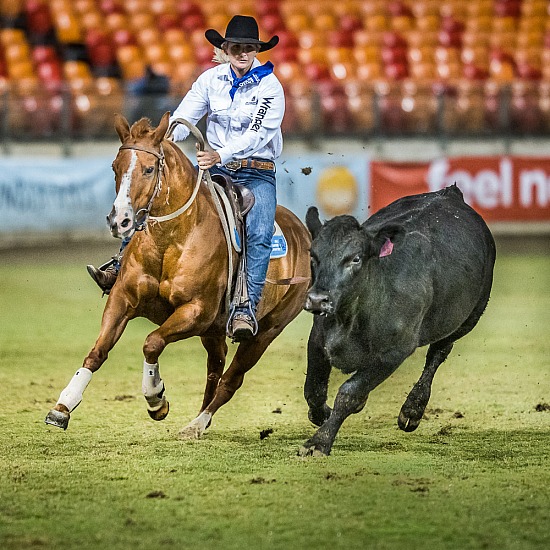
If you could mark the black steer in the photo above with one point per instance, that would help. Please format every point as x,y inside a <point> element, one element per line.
<point>417,272</point>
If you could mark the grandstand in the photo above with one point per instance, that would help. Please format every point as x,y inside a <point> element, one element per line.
<point>353,68</point>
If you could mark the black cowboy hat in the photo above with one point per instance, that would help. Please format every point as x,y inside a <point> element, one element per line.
<point>242,29</point>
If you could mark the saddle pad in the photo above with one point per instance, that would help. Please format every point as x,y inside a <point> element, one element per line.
<point>279,245</point>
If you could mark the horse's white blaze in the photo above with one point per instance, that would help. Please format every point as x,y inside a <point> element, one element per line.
<point>122,205</point>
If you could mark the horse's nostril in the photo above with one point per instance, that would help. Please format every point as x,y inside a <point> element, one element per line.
<point>125,223</point>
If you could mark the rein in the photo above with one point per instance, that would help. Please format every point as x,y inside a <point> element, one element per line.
<point>210,184</point>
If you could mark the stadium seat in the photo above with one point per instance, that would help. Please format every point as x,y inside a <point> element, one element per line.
<point>464,109</point>
<point>17,52</point>
<point>525,113</point>
<point>361,106</point>
<point>91,20</point>
<point>287,71</point>
<point>300,98</point>
<point>419,106</point>
<point>38,19</point>
<point>408,45</point>
<point>10,9</point>
<point>391,115</point>
<point>421,8</point>
<point>10,36</point>
<point>139,21</point>
<point>368,71</point>
<point>336,118</point>
<point>428,23</point>
<point>67,27</point>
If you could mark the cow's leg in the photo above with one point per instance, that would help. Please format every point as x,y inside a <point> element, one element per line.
<point>216,347</point>
<point>317,377</point>
<point>113,323</point>
<point>417,400</point>
<point>413,409</point>
<point>351,398</point>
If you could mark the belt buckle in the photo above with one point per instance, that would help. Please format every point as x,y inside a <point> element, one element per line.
<point>233,165</point>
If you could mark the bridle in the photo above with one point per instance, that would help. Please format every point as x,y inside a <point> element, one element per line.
<point>140,225</point>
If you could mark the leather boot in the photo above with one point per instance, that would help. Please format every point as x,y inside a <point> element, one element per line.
<point>243,326</point>
<point>105,279</point>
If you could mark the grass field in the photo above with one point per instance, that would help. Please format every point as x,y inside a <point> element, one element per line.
<point>474,475</point>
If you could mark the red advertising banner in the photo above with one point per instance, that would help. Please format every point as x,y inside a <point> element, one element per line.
<point>501,188</point>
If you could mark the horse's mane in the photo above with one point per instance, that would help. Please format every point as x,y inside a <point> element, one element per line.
<point>141,128</point>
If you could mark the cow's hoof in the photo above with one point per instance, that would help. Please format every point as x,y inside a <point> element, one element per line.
<point>406,423</point>
<point>57,418</point>
<point>161,413</point>
<point>319,416</point>
<point>310,451</point>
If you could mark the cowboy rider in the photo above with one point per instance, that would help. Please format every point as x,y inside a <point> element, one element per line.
<point>244,102</point>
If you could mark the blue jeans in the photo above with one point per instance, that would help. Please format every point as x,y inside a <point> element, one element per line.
<point>260,222</point>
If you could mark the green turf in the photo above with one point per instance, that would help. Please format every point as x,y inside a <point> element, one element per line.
<point>474,475</point>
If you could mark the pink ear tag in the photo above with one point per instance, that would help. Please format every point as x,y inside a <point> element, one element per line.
<point>387,248</point>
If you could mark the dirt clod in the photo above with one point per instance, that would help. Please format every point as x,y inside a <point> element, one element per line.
<point>156,494</point>
<point>266,433</point>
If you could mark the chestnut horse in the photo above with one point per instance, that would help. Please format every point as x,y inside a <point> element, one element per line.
<point>175,273</point>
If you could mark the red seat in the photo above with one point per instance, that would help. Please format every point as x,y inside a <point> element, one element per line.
<point>38,19</point>
<point>335,115</point>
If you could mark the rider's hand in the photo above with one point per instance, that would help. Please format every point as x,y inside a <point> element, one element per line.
<point>207,159</point>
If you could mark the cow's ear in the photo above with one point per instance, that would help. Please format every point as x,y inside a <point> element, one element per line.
<point>384,241</point>
<point>122,127</point>
<point>313,222</point>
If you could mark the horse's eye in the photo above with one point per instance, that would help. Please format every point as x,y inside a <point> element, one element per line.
<point>149,170</point>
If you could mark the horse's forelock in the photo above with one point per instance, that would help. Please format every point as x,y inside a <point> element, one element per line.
<point>141,128</point>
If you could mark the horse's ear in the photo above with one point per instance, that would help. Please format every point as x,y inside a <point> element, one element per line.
<point>122,127</point>
<point>313,222</point>
<point>161,129</point>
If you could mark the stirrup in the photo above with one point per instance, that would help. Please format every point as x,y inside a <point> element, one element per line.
<point>246,315</point>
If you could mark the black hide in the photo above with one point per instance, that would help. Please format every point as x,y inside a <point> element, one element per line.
<point>417,272</point>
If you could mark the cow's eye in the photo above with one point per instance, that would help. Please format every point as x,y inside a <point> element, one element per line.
<point>149,170</point>
<point>356,260</point>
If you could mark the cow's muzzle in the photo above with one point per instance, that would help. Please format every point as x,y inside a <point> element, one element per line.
<point>319,303</point>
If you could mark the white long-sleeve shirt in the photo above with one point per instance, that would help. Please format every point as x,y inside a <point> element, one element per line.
<point>247,126</point>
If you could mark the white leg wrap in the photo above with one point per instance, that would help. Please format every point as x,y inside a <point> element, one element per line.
<point>152,385</point>
<point>71,396</point>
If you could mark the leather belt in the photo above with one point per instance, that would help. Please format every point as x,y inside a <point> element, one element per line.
<point>250,163</point>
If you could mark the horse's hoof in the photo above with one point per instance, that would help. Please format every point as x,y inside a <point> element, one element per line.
<point>192,431</point>
<point>57,418</point>
<point>161,413</point>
